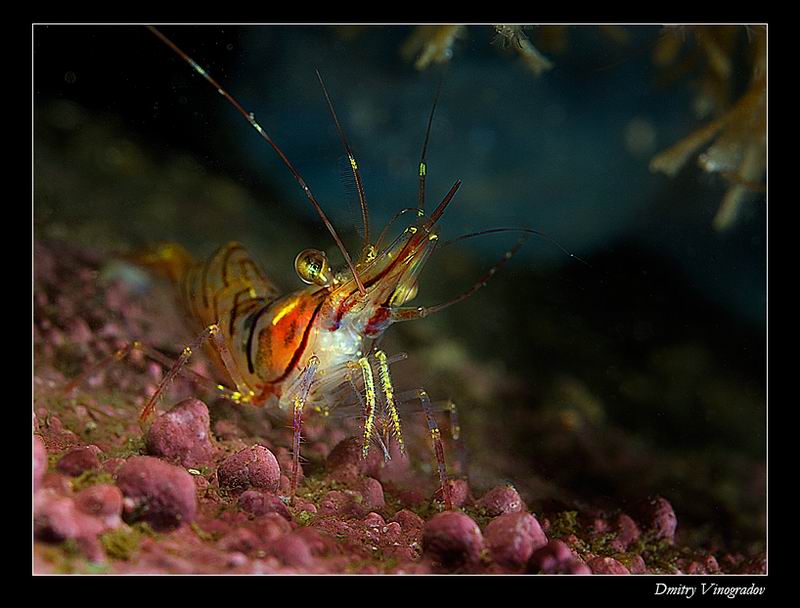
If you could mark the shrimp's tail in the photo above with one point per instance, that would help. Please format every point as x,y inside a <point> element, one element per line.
<point>170,260</point>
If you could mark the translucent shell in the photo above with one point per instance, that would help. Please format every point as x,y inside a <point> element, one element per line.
<point>311,266</point>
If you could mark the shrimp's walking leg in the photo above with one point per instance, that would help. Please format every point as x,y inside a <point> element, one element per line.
<point>298,403</point>
<point>211,332</point>
<point>436,439</point>
<point>389,399</point>
<point>236,396</point>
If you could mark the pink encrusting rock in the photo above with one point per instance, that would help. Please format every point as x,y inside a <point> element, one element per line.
<point>556,558</point>
<point>39,461</point>
<point>452,540</point>
<point>513,537</point>
<point>606,565</point>
<point>346,459</point>
<point>499,500</point>
<point>659,519</point>
<point>258,502</point>
<point>157,492</point>
<point>253,467</point>
<point>80,459</point>
<point>182,435</point>
<point>103,501</point>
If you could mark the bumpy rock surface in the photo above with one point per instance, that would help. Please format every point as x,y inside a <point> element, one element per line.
<point>80,459</point>
<point>499,500</point>
<point>513,537</point>
<point>254,467</point>
<point>157,492</point>
<point>452,539</point>
<point>182,435</point>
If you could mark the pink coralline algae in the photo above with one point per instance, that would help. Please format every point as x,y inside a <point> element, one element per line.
<point>39,461</point>
<point>606,565</point>
<point>182,435</point>
<point>452,540</point>
<point>513,537</point>
<point>257,502</point>
<point>556,558</point>
<point>157,492</point>
<point>659,518</point>
<point>254,467</point>
<point>499,500</point>
<point>79,459</point>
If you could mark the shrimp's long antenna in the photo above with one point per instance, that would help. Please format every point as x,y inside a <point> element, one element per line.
<point>362,197</point>
<point>250,118</point>
<point>410,313</point>
<point>423,167</point>
<point>541,235</point>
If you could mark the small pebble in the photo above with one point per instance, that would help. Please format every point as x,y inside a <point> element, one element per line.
<point>78,460</point>
<point>182,435</point>
<point>513,537</point>
<point>292,551</point>
<point>452,539</point>
<point>157,492</point>
<point>253,467</point>
<point>660,519</point>
<point>499,500</point>
<point>556,558</point>
<point>257,502</point>
<point>606,565</point>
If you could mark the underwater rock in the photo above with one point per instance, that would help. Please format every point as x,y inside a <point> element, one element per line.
<point>292,550</point>
<point>637,565</point>
<point>459,493</point>
<point>371,491</point>
<point>253,467</point>
<point>39,461</point>
<point>240,540</point>
<point>103,501</point>
<point>182,435</point>
<point>157,492</point>
<point>409,521</point>
<point>659,519</point>
<point>55,517</point>
<point>347,457</point>
<point>78,460</point>
<point>556,558</point>
<point>626,529</point>
<point>500,500</point>
<point>513,537</point>
<point>257,502</point>
<point>452,539</point>
<point>606,565</point>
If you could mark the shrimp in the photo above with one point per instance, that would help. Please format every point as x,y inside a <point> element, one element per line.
<point>313,348</point>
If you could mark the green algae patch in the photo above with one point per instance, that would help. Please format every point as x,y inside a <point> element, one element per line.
<point>122,543</point>
<point>201,534</point>
<point>563,524</point>
<point>91,478</point>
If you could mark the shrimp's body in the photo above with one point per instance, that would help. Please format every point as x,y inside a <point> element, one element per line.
<point>313,347</point>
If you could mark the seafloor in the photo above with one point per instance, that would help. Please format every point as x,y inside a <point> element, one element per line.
<point>609,459</point>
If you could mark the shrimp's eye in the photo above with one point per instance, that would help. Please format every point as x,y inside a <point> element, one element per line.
<point>312,267</point>
<point>403,294</point>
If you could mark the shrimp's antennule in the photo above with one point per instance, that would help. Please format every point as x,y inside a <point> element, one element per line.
<point>362,197</point>
<point>423,167</point>
<point>250,118</point>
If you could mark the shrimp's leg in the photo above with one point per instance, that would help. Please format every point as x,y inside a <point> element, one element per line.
<point>157,356</point>
<point>298,402</point>
<point>212,332</point>
<point>436,439</point>
<point>389,398</point>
